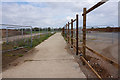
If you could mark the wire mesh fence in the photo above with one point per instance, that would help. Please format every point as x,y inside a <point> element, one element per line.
<point>100,36</point>
<point>103,42</point>
<point>16,37</point>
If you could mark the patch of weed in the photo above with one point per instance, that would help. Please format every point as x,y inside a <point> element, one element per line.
<point>20,55</point>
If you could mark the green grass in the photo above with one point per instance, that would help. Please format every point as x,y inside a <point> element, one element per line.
<point>9,55</point>
<point>40,39</point>
<point>81,40</point>
<point>93,39</point>
<point>15,47</point>
<point>28,32</point>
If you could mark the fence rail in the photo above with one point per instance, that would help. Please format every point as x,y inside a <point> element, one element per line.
<point>68,34</point>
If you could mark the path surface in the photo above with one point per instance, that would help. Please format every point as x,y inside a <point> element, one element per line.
<point>51,60</point>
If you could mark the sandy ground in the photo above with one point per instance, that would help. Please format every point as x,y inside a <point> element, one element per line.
<point>50,60</point>
<point>108,49</point>
<point>105,47</point>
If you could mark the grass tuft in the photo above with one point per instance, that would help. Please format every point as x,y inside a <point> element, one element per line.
<point>20,55</point>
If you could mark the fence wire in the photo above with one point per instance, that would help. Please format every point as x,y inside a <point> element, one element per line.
<point>16,37</point>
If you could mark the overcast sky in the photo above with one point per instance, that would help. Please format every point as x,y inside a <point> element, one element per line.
<point>56,14</point>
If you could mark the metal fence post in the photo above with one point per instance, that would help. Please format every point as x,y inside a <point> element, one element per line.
<point>31,36</point>
<point>18,33</point>
<point>84,33</point>
<point>7,35</point>
<point>22,33</point>
<point>77,34</point>
<point>112,38</point>
<point>39,33</point>
<point>71,33</point>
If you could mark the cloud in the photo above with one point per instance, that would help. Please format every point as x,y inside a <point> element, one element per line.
<point>89,1</point>
<point>69,18</point>
<point>57,14</point>
<point>0,13</point>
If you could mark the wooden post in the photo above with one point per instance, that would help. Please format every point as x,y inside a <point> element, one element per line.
<point>63,31</point>
<point>68,32</point>
<point>84,33</point>
<point>77,34</point>
<point>71,33</point>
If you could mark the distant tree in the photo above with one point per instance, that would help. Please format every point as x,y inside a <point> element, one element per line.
<point>60,29</point>
<point>36,29</point>
<point>108,27</point>
<point>40,29</point>
<point>26,29</point>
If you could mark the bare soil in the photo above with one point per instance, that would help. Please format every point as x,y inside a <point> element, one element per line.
<point>11,32</point>
<point>9,57</point>
<point>103,68</point>
<point>107,49</point>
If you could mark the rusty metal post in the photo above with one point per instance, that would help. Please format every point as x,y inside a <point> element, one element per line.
<point>71,33</point>
<point>84,33</point>
<point>77,34</point>
<point>68,33</point>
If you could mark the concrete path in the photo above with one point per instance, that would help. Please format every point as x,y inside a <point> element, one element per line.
<point>51,60</point>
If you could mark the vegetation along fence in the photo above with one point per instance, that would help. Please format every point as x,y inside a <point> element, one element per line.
<point>16,37</point>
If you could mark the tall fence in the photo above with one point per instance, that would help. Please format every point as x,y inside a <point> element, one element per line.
<point>77,38</point>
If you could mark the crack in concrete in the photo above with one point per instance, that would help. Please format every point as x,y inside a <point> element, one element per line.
<point>46,60</point>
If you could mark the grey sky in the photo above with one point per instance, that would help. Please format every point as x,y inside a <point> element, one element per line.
<point>56,14</point>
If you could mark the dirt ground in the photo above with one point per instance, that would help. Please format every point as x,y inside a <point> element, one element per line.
<point>107,48</point>
<point>12,38</point>
<point>10,32</point>
<point>9,57</point>
<point>103,68</point>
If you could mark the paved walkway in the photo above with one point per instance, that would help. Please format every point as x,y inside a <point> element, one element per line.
<point>51,60</point>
